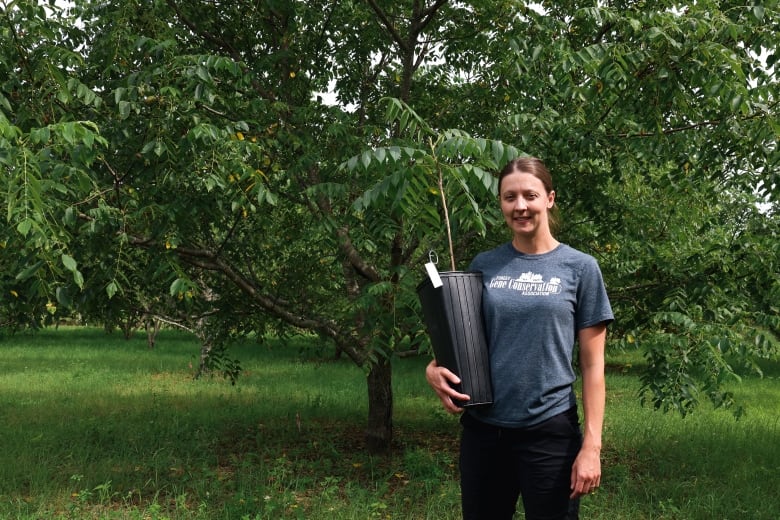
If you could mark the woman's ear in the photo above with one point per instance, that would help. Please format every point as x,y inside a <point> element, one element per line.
<point>551,199</point>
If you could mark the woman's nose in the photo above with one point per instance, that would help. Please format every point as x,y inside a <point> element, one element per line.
<point>520,204</point>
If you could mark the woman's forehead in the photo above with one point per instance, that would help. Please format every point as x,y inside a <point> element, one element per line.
<point>521,181</point>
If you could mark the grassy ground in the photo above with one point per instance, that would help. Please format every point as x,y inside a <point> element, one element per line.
<point>94,426</point>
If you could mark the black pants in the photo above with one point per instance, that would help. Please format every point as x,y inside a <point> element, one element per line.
<point>498,465</point>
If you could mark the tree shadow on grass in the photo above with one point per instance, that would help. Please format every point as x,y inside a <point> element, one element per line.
<point>203,445</point>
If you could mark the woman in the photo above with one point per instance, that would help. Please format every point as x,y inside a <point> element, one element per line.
<point>539,296</point>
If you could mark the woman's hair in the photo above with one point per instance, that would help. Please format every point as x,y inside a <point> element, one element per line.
<point>535,167</point>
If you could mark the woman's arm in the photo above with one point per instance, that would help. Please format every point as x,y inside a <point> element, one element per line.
<point>586,471</point>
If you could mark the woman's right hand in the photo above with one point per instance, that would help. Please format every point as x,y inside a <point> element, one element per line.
<point>441,380</point>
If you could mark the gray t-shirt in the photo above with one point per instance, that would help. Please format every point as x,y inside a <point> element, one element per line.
<point>533,306</point>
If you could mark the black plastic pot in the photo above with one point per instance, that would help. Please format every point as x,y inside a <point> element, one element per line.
<point>453,316</point>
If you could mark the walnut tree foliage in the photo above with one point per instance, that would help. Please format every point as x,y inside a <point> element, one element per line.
<point>284,166</point>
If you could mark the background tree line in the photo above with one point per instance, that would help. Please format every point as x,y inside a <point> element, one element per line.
<point>278,166</point>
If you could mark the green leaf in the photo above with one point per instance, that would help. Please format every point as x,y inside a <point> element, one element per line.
<point>203,74</point>
<point>78,278</point>
<point>124,109</point>
<point>24,227</point>
<point>64,297</point>
<point>180,286</point>
<point>4,103</point>
<point>29,271</point>
<point>40,135</point>
<point>68,132</point>
<point>160,148</point>
<point>489,181</point>
<point>352,163</point>
<point>111,289</point>
<point>498,152</point>
<point>119,93</point>
<point>365,159</point>
<point>736,103</point>
<point>654,33</point>
<point>69,262</point>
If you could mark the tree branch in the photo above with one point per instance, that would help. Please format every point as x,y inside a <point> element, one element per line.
<point>669,131</point>
<point>602,32</point>
<point>388,25</point>
<point>355,260</point>
<point>322,205</point>
<point>428,14</point>
<point>208,260</point>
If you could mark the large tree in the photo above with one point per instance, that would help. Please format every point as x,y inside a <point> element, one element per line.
<point>281,164</point>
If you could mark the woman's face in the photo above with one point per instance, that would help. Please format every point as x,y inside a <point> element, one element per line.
<point>524,203</point>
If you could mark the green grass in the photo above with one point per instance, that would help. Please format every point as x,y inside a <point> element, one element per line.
<point>708,465</point>
<point>94,426</point>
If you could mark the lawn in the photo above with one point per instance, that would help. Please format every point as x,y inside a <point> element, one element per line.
<point>99,427</point>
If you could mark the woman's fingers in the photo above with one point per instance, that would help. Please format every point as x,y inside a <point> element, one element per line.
<point>442,380</point>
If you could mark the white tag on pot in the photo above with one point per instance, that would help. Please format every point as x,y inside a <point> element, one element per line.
<point>433,274</point>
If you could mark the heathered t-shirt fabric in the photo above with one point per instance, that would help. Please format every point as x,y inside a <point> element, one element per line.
<point>533,306</point>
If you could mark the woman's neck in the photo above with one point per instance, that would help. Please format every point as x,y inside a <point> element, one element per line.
<point>534,245</point>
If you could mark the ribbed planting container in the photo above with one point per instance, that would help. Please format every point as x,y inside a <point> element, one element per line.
<point>453,317</point>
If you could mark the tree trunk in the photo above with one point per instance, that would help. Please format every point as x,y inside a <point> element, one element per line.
<point>152,326</point>
<point>205,351</point>
<point>379,434</point>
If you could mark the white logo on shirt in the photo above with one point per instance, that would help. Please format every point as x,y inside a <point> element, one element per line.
<point>528,284</point>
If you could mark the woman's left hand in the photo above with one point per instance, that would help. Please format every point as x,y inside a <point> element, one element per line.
<point>586,472</point>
